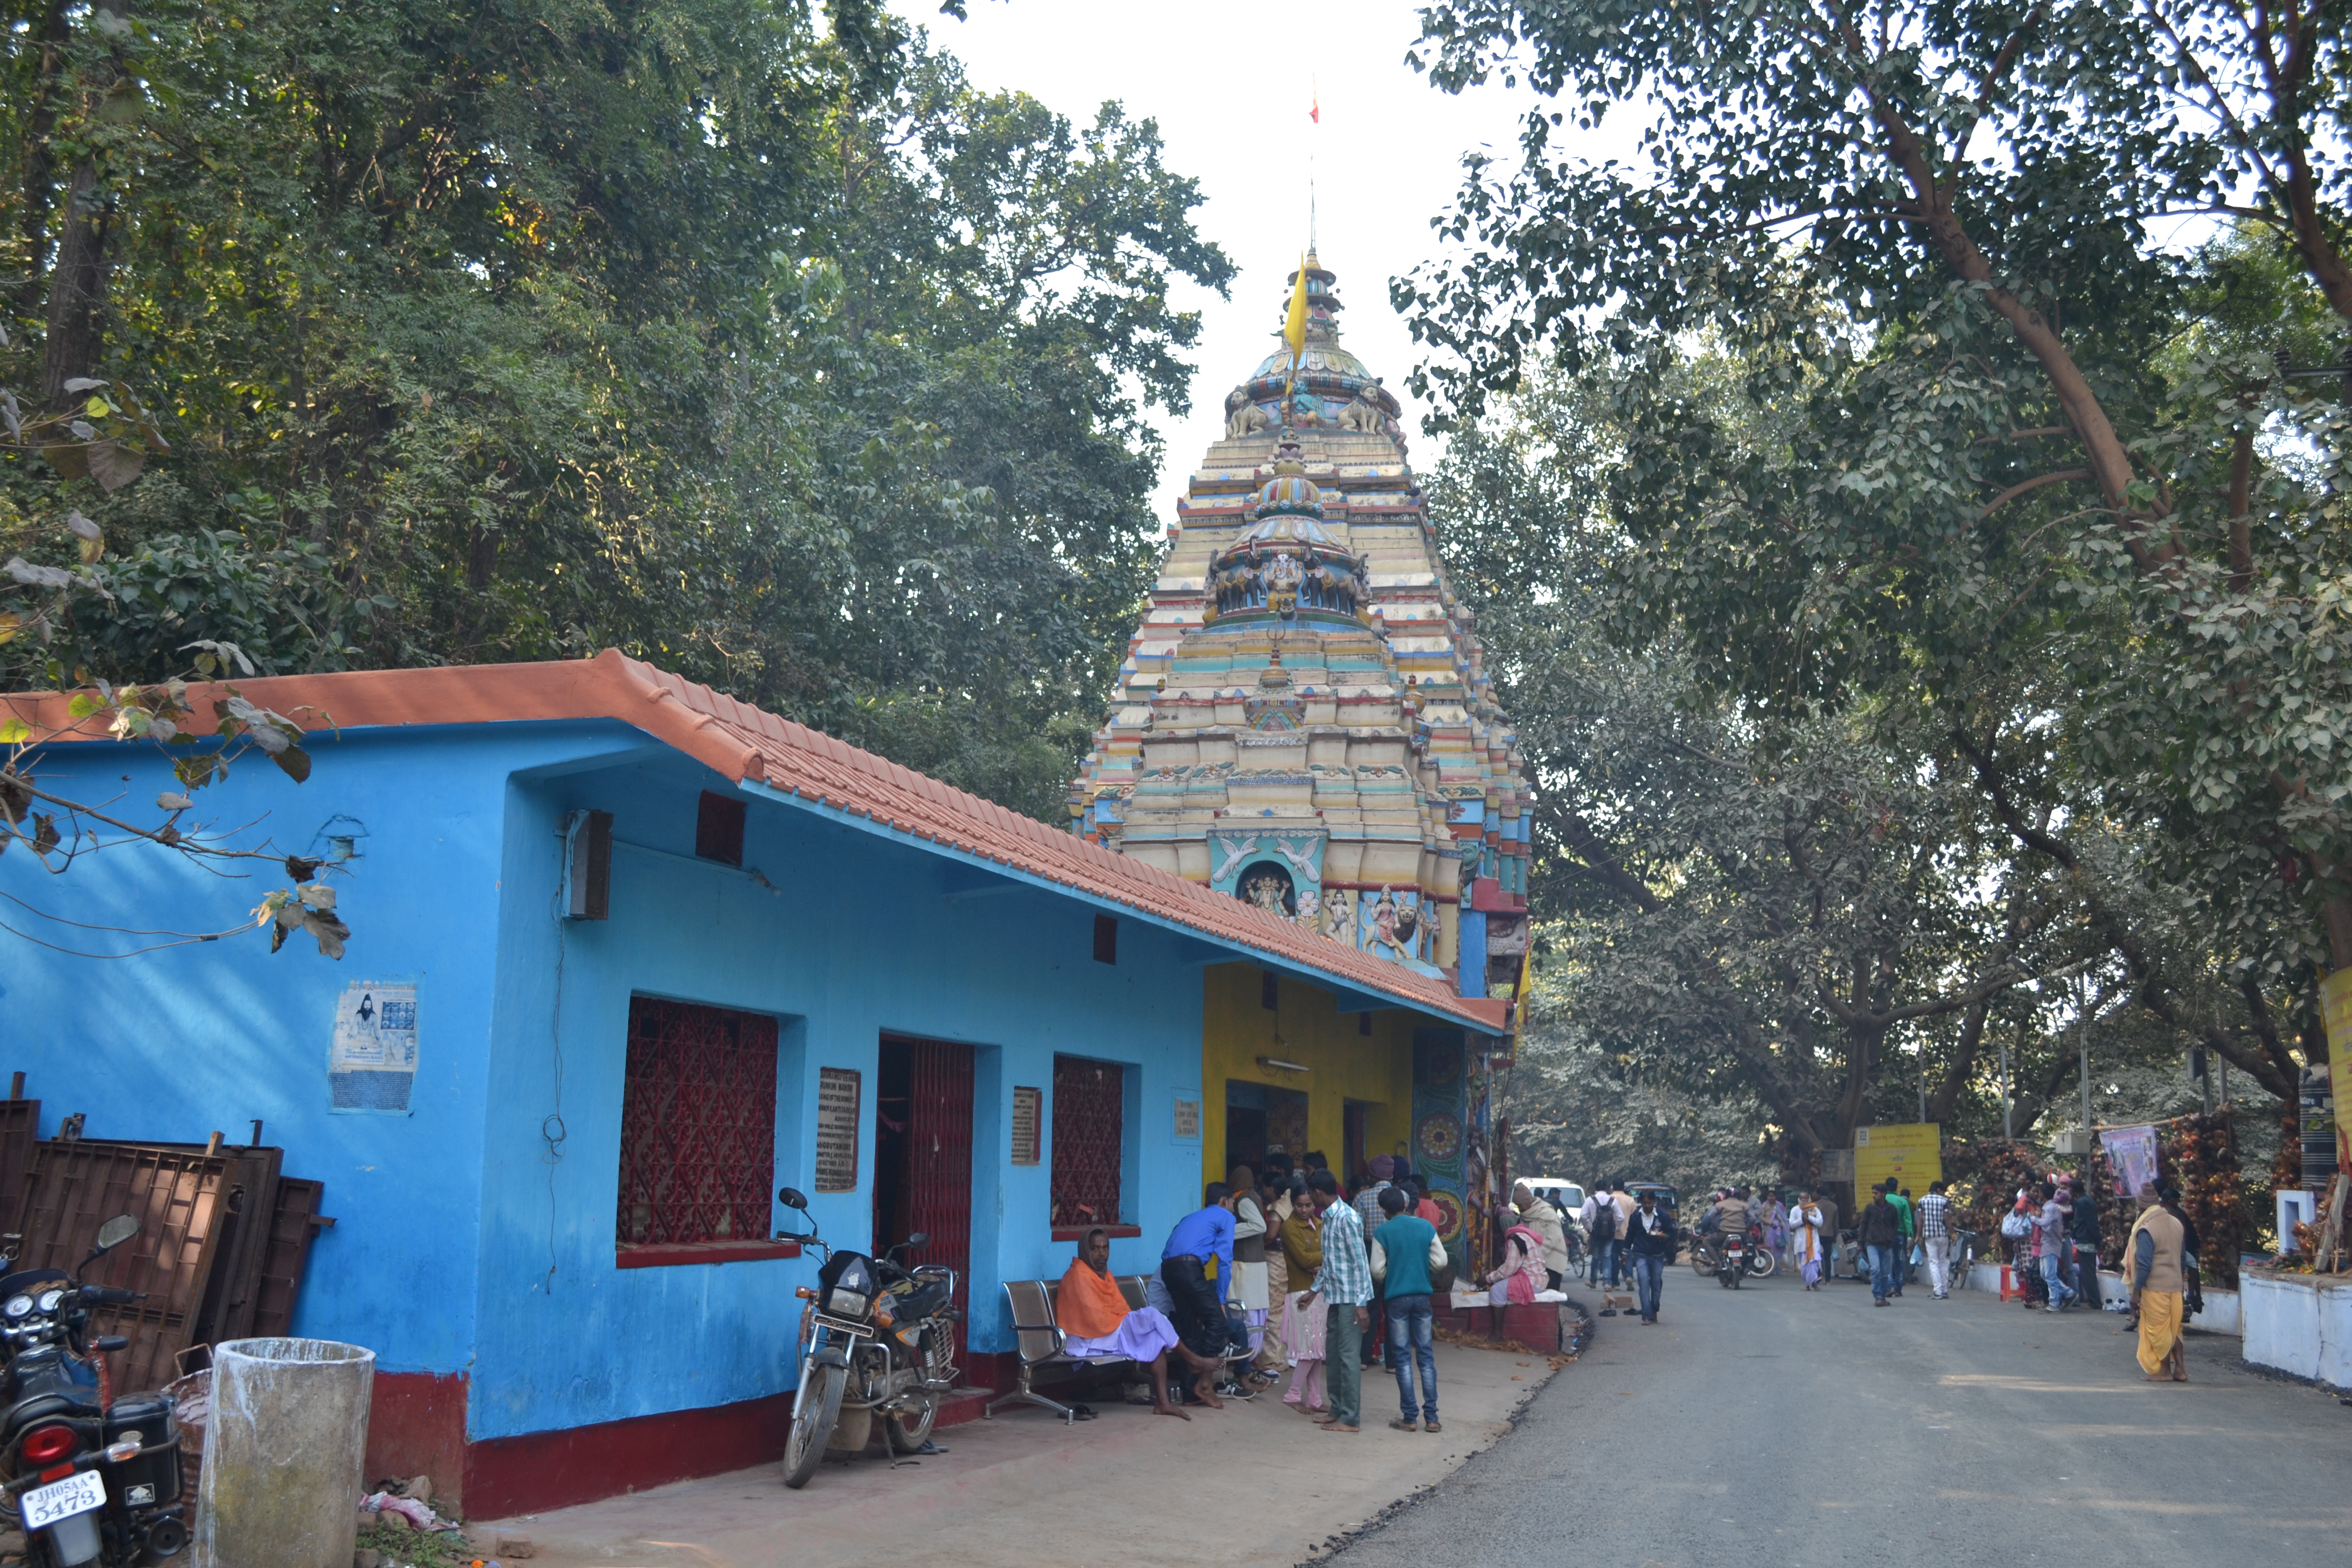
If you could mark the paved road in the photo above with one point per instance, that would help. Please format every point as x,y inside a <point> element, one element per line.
<point>1769,1426</point>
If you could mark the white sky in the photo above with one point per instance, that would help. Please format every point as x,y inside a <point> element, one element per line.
<point>1229,85</point>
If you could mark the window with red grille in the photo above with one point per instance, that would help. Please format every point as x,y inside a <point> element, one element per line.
<point>698,1131</point>
<point>1089,1136</point>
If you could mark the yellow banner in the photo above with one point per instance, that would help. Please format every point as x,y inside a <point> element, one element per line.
<point>1910,1151</point>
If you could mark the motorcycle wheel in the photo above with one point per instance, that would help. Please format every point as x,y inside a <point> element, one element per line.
<point>1737,1275</point>
<point>1762,1264</point>
<point>812,1421</point>
<point>909,1431</point>
<point>1700,1265</point>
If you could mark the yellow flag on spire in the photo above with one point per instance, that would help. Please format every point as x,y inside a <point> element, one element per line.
<point>1294,326</point>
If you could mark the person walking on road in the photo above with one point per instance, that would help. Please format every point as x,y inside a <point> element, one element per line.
<point>1880,1231</point>
<point>1345,1283</point>
<point>1601,1238</point>
<point>1650,1236</point>
<point>2055,1213</point>
<point>1936,1239</point>
<point>1901,1202</point>
<point>1805,1234</point>
<point>1404,1251</point>
<point>1619,1269</point>
<point>2153,1257</point>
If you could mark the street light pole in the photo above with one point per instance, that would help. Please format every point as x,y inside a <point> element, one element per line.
<point>2083,1041</point>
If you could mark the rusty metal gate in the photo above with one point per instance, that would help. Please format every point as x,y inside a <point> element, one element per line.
<point>938,1160</point>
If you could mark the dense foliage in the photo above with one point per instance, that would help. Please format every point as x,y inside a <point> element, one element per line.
<point>754,341</point>
<point>1928,444</point>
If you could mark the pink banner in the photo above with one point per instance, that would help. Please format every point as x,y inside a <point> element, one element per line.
<point>2131,1155</point>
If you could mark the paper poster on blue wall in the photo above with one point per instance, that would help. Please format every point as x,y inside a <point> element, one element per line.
<point>372,1064</point>
<point>1184,1127</point>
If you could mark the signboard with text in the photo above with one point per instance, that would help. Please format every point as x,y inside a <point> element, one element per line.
<point>1910,1151</point>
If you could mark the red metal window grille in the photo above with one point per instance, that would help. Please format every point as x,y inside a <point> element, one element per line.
<point>697,1124</point>
<point>1089,1127</point>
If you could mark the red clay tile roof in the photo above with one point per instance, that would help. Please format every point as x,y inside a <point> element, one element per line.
<point>748,744</point>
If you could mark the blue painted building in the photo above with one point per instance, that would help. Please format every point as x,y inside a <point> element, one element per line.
<point>555,1214</point>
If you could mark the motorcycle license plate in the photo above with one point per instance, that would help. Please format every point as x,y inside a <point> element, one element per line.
<point>78,1493</point>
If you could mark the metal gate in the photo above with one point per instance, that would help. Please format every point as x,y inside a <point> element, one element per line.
<point>938,1162</point>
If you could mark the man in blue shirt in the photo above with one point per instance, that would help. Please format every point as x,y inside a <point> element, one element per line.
<point>1201,1238</point>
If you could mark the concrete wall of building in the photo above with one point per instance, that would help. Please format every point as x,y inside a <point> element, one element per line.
<point>853,936</point>
<point>1306,1026</point>
<point>173,1044</point>
<point>476,1244</point>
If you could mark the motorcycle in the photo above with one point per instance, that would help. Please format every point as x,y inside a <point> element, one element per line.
<point>93,1479</point>
<point>1731,1260</point>
<point>876,1339</point>
<point>1761,1262</point>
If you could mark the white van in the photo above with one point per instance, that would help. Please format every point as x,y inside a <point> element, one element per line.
<point>1565,1196</point>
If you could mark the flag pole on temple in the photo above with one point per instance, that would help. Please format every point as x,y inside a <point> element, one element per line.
<point>1294,325</point>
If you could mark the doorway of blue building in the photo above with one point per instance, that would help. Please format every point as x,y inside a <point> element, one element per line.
<point>922,1156</point>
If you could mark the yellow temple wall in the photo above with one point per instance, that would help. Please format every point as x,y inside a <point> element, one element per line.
<point>1308,1027</point>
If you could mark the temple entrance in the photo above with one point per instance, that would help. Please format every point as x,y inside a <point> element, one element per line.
<point>922,1154</point>
<point>1259,1121</point>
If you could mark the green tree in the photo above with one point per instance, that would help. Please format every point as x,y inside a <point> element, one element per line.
<point>755,341</point>
<point>2044,480</point>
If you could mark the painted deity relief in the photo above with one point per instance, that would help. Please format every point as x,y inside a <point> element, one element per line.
<point>1390,925</point>
<point>1340,917</point>
<point>1269,887</point>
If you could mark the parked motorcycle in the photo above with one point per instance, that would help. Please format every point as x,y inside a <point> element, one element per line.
<point>1761,1262</point>
<point>93,1480</point>
<point>1731,1260</point>
<point>876,1339</point>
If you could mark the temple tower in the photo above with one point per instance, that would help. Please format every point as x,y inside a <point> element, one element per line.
<point>1302,718</point>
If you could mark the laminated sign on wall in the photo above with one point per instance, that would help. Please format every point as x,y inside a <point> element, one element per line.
<point>372,1062</point>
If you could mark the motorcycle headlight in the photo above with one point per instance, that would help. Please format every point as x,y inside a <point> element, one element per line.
<point>844,1303</point>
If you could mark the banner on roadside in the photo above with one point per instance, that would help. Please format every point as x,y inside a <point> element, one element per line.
<point>2131,1156</point>
<point>2335,1011</point>
<point>1910,1151</point>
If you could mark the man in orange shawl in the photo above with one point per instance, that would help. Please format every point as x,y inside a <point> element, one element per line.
<point>1096,1321</point>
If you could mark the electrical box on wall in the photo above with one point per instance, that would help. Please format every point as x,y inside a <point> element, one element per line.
<point>2074,1141</point>
<point>588,866</point>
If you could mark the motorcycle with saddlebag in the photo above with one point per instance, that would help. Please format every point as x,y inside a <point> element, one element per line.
<point>876,1339</point>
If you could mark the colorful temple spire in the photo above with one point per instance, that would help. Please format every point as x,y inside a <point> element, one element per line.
<point>1303,719</point>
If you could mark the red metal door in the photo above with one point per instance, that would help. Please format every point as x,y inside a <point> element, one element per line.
<point>938,1173</point>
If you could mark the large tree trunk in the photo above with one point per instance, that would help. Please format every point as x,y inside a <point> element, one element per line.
<point>40,166</point>
<point>78,279</point>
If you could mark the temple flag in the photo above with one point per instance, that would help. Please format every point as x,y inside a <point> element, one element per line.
<point>1313,106</point>
<point>1294,326</point>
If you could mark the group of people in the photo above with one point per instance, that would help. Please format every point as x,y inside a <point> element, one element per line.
<point>1280,1272</point>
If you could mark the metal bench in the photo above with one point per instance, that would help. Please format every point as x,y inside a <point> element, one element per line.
<point>1041,1343</point>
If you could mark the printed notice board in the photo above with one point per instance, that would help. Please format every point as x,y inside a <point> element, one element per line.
<point>1910,1151</point>
<point>372,1063</point>
<point>1027,1105</point>
<point>1186,1128</point>
<point>836,1130</point>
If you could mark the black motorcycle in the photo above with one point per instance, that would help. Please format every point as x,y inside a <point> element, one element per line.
<point>92,1480</point>
<point>876,1339</point>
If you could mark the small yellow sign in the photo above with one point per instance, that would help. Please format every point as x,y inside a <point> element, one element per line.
<point>1910,1151</point>
<point>2335,1009</point>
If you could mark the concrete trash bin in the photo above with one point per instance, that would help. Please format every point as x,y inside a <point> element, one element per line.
<point>283,1455</point>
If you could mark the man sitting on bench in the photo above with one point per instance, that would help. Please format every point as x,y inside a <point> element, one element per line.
<point>1095,1321</point>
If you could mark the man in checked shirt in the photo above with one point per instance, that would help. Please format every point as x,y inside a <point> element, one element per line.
<point>1936,1239</point>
